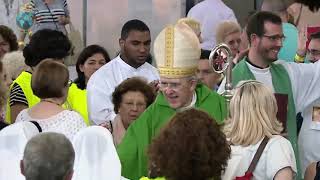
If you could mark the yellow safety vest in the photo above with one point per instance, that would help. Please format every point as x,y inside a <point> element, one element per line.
<point>158,178</point>
<point>77,99</point>
<point>24,81</point>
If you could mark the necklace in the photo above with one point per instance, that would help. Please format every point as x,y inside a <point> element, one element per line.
<point>51,101</point>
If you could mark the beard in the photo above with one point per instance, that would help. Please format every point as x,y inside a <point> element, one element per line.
<point>268,54</point>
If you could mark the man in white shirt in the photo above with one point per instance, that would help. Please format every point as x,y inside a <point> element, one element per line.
<point>298,83</point>
<point>308,140</point>
<point>210,13</point>
<point>135,43</point>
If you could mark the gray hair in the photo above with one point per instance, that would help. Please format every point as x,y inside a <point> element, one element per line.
<point>48,156</point>
<point>13,62</point>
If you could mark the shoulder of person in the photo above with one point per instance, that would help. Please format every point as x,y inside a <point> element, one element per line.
<point>279,142</point>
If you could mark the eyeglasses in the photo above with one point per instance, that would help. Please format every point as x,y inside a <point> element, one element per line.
<point>138,105</point>
<point>275,38</point>
<point>314,52</point>
<point>173,86</point>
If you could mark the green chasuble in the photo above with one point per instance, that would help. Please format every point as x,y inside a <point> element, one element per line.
<point>282,85</point>
<point>133,148</point>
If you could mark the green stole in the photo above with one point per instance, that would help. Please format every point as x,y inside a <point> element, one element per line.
<point>282,84</point>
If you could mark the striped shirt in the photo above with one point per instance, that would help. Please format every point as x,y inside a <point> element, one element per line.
<point>48,13</point>
<point>17,95</point>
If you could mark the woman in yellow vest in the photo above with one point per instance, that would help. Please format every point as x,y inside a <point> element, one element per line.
<point>43,44</point>
<point>90,60</point>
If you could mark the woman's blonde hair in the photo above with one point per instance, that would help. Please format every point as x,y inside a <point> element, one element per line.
<point>226,28</point>
<point>253,110</point>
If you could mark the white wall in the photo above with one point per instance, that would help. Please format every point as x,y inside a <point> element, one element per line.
<point>106,17</point>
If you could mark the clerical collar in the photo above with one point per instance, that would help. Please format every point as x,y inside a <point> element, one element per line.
<point>191,105</point>
<point>248,61</point>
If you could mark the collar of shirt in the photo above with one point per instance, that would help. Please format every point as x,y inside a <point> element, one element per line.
<point>127,66</point>
<point>258,70</point>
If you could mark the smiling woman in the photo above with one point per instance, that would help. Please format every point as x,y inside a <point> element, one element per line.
<point>90,60</point>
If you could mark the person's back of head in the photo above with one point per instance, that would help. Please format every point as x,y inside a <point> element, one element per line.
<point>253,110</point>
<point>133,25</point>
<point>44,44</point>
<point>48,156</point>
<point>50,80</point>
<point>190,146</point>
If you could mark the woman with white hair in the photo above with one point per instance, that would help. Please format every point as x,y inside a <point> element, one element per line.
<point>104,163</point>
<point>253,110</point>
<point>229,33</point>
<point>14,64</point>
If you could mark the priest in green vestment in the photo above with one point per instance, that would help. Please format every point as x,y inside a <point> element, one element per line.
<point>298,83</point>
<point>176,51</point>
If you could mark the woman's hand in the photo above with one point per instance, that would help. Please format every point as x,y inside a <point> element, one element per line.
<point>155,86</point>
<point>302,39</point>
<point>63,20</point>
<point>240,56</point>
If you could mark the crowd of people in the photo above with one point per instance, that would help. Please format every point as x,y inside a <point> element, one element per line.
<point>123,118</point>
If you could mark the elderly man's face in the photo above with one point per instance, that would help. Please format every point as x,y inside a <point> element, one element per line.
<point>178,92</point>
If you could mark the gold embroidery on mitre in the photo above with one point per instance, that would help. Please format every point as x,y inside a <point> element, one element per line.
<point>176,72</point>
<point>169,45</point>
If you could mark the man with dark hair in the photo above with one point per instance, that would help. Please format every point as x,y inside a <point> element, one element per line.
<point>314,47</point>
<point>313,52</point>
<point>290,44</point>
<point>134,43</point>
<point>205,73</point>
<point>295,85</point>
<point>48,156</point>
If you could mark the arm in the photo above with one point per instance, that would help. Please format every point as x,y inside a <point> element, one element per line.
<point>16,109</point>
<point>310,172</point>
<point>302,50</point>
<point>65,19</point>
<point>17,101</point>
<point>284,174</point>
<point>305,82</point>
<point>99,93</point>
